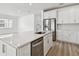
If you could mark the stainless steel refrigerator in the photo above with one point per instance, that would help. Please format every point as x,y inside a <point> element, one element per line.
<point>50,25</point>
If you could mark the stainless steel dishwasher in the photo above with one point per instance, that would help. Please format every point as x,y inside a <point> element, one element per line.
<point>37,47</point>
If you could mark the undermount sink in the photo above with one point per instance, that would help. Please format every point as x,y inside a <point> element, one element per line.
<point>40,32</point>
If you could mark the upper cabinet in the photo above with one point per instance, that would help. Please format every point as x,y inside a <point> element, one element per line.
<point>76,13</point>
<point>66,15</point>
<point>59,18</point>
<point>50,14</point>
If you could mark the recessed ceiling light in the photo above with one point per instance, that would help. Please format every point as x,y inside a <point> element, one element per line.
<point>30,4</point>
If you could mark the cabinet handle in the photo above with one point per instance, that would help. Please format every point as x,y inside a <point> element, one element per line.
<point>3,48</point>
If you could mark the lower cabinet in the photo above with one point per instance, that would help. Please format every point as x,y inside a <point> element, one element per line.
<point>8,50</point>
<point>3,49</point>
<point>50,40</point>
<point>59,35</point>
<point>68,36</point>
<point>77,37</point>
<point>47,43</point>
<point>25,50</point>
<point>46,46</point>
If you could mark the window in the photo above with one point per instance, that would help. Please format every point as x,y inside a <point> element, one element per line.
<point>5,23</point>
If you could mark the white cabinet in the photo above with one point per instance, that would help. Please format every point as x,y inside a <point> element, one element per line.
<point>24,50</point>
<point>8,50</point>
<point>46,15</point>
<point>68,36</point>
<point>50,40</point>
<point>64,35</point>
<point>3,49</point>
<point>74,37</point>
<point>47,43</point>
<point>78,37</point>
<point>76,13</point>
<point>60,14</point>
<point>59,35</point>
<point>11,51</point>
<point>50,14</point>
<point>66,15</point>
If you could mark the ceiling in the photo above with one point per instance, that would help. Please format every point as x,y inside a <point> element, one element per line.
<point>21,9</point>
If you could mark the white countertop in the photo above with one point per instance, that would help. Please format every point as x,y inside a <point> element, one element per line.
<point>19,39</point>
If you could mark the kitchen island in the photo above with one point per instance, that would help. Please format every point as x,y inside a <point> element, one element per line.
<point>19,44</point>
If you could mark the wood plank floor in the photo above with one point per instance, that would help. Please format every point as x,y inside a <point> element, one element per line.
<point>64,49</point>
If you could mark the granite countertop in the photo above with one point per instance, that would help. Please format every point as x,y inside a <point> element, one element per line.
<point>19,39</point>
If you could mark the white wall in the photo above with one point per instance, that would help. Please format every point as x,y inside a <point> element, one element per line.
<point>26,23</point>
<point>38,21</point>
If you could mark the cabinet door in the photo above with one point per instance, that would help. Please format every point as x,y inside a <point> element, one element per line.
<point>64,37</point>
<point>67,36</point>
<point>77,38</point>
<point>11,51</point>
<point>59,35</point>
<point>70,36</point>
<point>74,37</point>
<point>60,14</point>
<point>50,14</point>
<point>77,13</point>
<point>24,50</point>
<point>3,49</point>
<point>50,40</point>
<point>68,14</point>
<point>46,44</point>
<point>46,15</point>
<point>6,50</point>
<point>53,13</point>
